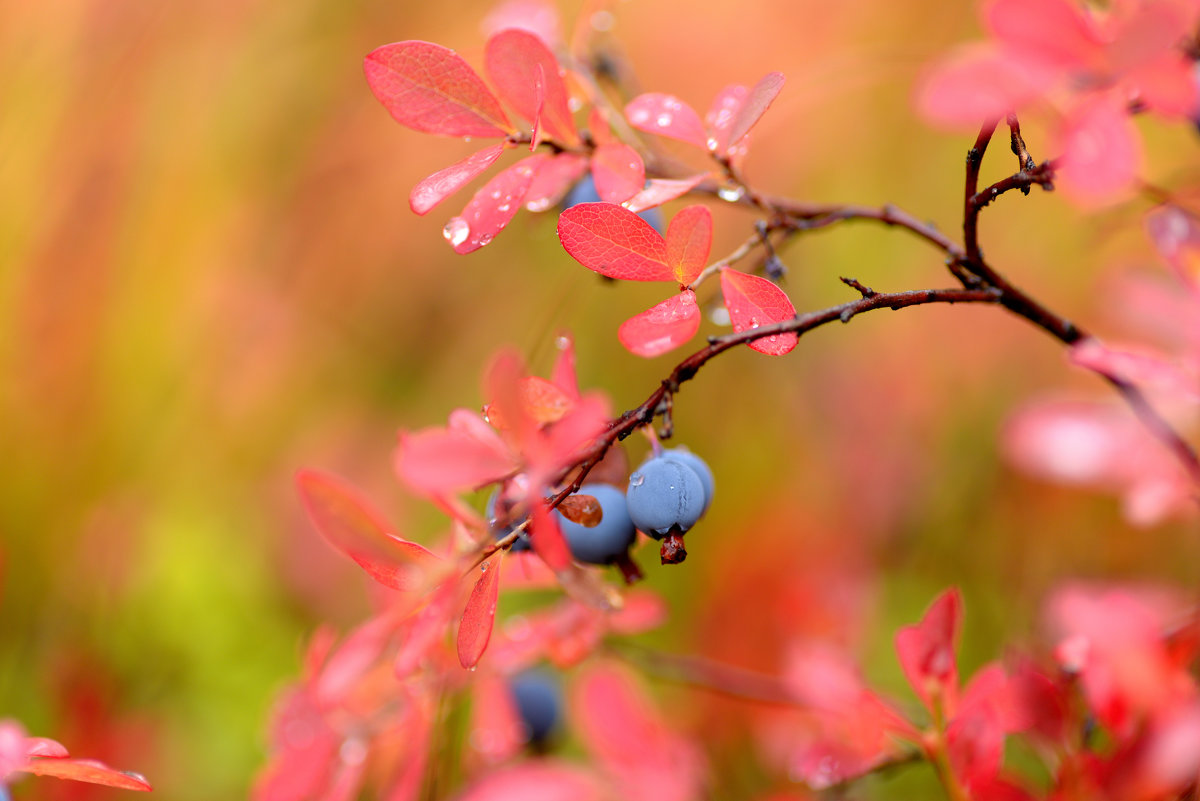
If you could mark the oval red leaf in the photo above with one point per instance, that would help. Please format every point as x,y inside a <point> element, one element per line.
<point>618,171</point>
<point>444,183</point>
<point>479,616</point>
<point>492,207</point>
<point>721,114</point>
<point>662,328</point>
<point>927,649</point>
<point>689,241</point>
<point>512,60</point>
<point>430,88</point>
<point>753,302</point>
<point>547,540</point>
<point>351,524</point>
<point>666,115</point>
<point>615,242</point>
<point>554,179</point>
<point>751,109</point>
<point>87,770</point>
<point>659,190</point>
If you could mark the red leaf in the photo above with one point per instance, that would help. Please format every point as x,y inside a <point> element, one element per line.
<point>350,524</point>
<point>974,83</point>
<point>356,655</point>
<point>754,302</point>
<point>554,179</point>
<point>663,327</point>
<point>659,190</point>
<point>666,115</point>
<point>430,88</point>
<point>45,747</point>
<point>757,101</point>
<point>465,455</point>
<point>1063,39</point>
<point>443,183</point>
<point>479,616</point>
<point>513,59</point>
<point>598,127</point>
<point>615,242</point>
<point>926,650</point>
<point>1176,236</point>
<point>540,780</point>
<point>721,115</point>
<point>563,375</point>
<point>619,172</point>
<point>493,206</point>
<point>87,770</point>
<point>689,240</point>
<point>547,540</point>
<point>543,401</point>
<point>1102,151</point>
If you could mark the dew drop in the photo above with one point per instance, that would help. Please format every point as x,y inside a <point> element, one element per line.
<point>663,120</point>
<point>731,194</point>
<point>720,316</point>
<point>137,777</point>
<point>541,204</point>
<point>456,231</point>
<point>467,139</point>
<point>485,239</point>
<point>712,143</point>
<point>495,194</point>
<point>574,104</point>
<point>636,480</point>
<point>483,568</point>
<point>353,751</point>
<point>639,117</point>
<point>471,668</point>
<point>562,342</point>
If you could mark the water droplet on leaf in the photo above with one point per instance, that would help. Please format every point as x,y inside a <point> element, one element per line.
<point>456,231</point>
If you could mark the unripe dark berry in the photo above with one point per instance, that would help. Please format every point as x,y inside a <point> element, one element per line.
<point>607,541</point>
<point>539,704</point>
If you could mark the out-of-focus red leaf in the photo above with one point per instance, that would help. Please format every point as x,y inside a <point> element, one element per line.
<point>721,115</point>
<point>1063,39</point>
<point>587,418</point>
<point>1101,151</point>
<point>754,302</point>
<point>689,240</point>
<point>554,179</point>
<point>303,748</point>
<point>662,327</point>
<point>505,405</point>
<point>426,630</point>
<point>479,616</point>
<point>615,242</point>
<point>541,780</point>
<point>493,206</point>
<point>666,115</point>
<point>496,729</point>
<point>547,540</point>
<point>514,59</point>
<point>15,748</point>
<point>618,171</point>
<point>659,190</point>
<point>927,651</point>
<point>45,747</point>
<point>354,657</point>
<point>536,16</point>
<point>351,524</point>
<point>543,401</point>
<point>598,127</point>
<point>1137,365</point>
<point>431,89</point>
<point>443,183</point>
<point>465,455</point>
<point>1176,236</point>
<point>87,770</point>
<point>643,610</point>
<point>758,100</point>
<point>974,83</point>
<point>563,375</point>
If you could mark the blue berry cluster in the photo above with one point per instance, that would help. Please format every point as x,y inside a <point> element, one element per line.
<point>667,495</point>
<point>538,700</point>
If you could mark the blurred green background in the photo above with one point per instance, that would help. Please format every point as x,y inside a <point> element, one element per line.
<point>210,277</point>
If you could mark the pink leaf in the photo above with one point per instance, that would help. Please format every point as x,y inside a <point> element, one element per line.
<point>446,460</point>
<point>659,190</point>
<point>1176,236</point>
<point>663,327</point>
<point>87,770</point>
<point>926,651</point>
<point>352,659</point>
<point>1102,151</point>
<point>493,206</point>
<point>618,171</point>
<point>973,84</point>
<point>757,101</point>
<point>1062,39</point>
<point>45,747</point>
<point>666,115</point>
<point>479,616</point>
<point>689,241</point>
<point>547,540</point>
<point>443,183</point>
<point>1138,366</point>
<point>513,60</point>
<point>721,115</point>
<point>563,374</point>
<point>497,732</point>
<point>351,524</point>
<point>615,242</point>
<point>431,89</point>
<point>554,179</point>
<point>540,780</point>
<point>754,302</point>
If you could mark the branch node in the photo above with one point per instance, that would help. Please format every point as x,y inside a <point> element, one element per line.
<point>854,283</point>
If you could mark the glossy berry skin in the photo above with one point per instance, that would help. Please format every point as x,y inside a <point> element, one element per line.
<point>489,514</point>
<point>539,704</point>
<point>607,541</point>
<point>585,192</point>
<point>686,457</point>
<point>665,496</point>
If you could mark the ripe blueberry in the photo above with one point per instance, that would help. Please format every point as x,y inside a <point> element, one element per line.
<point>539,704</point>
<point>607,541</point>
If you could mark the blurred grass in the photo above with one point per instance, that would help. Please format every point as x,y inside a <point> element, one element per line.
<point>211,277</point>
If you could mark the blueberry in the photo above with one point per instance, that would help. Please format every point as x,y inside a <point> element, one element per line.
<point>585,192</point>
<point>610,539</point>
<point>665,497</point>
<point>489,513</point>
<point>684,456</point>
<point>539,704</point>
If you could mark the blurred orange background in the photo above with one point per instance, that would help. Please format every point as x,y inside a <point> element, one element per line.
<point>210,277</point>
